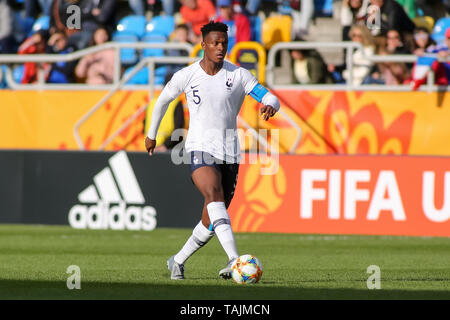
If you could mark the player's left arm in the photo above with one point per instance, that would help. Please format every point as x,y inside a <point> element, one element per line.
<point>257,91</point>
<point>270,103</point>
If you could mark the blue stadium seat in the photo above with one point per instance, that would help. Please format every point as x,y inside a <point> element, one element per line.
<point>128,56</point>
<point>141,77</point>
<point>160,75</point>
<point>161,24</point>
<point>2,76</point>
<point>133,24</point>
<point>42,23</point>
<point>440,26</point>
<point>153,37</point>
<point>255,23</point>
<point>18,73</point>
<point>323,7</point>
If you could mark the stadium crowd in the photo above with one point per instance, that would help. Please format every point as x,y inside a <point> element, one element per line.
<point>381,26</point>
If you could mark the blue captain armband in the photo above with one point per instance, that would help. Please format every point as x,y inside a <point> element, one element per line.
<point>258,92</point>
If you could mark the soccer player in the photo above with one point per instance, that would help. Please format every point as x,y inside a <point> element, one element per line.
<point>215,90</point>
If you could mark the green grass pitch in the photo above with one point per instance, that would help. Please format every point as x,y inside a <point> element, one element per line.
<point>132,265</point>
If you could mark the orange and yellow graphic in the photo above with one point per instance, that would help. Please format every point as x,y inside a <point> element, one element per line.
<point>327,122</point>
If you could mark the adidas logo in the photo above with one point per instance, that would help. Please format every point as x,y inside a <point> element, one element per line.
<point>114,201</point>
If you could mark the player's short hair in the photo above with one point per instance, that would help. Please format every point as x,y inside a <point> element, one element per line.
<point>213,26</point>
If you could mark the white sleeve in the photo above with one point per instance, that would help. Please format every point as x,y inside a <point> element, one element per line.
<point>171,91</point>
<point>248,80</point>
<point>270,100</point>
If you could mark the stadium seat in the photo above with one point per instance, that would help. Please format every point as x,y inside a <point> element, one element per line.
<point>323,8</point>
<point>128,56</point>
<point>424,22</point>
<point>42,23</point>
<point>18,73</point>
<point>441,25</point>
<point>132,25</point>
<point>255,23</point>
<point>276,29</point>
<point>141,77</point>
<point>2,77</point>
<point>161,24</point>
<point>160,75</point>
<point>153,37</point>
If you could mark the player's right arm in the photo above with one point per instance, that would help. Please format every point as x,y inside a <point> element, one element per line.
<point>171,91</point>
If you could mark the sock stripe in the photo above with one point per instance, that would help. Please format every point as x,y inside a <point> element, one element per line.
<point>219,222</point>
<point>198,241</point>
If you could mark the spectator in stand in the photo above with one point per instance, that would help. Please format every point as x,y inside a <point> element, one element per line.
<point>31,7</point>
<point>197,13</point>
<point>252,6</point>
<point>392,16</point>
<point>308,67</point>
<point>302,19</point>
<point>394,43</point>
<point>352,12</point>
<point>394,73</point>
<point>60,72</point>
<point>435,59</point>
<point>179,35</point>
<point>7,41</point>
<point>94,15</point>
<point>361,65</point>
<point>97,68</point>
<point>35,44</point>
<point>238,23</point>
<point>138,6</point>
<point>422,41</point>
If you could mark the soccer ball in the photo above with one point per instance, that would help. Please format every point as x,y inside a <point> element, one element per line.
<point>246,269</point>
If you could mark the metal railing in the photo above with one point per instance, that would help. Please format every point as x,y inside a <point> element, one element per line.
<point>53,58</point>
<point>349,86</point>
<point>269,69</point>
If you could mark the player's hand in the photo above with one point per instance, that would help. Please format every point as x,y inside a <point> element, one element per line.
<point>268,112</point>
<point>150,145</point>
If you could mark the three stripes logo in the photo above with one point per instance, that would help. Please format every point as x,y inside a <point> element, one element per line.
<point>114,201</point>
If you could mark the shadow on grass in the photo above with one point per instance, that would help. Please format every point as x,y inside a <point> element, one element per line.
<point>184,290</point>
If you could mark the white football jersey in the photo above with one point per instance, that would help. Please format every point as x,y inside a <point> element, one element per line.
<point>214,103</point>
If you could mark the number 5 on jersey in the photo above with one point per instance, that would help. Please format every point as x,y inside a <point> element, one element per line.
<point>196,98</point>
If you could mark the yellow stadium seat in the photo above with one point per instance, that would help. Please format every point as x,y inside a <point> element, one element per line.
<point>276,29</point>
<point>425,22</point>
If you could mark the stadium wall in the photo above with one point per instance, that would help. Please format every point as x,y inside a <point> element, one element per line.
<point>413,123</point>
<point>333,194</point>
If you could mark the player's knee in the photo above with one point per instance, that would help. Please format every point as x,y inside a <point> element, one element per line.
<point>213,194</point>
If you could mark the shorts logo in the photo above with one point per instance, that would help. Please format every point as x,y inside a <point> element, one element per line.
<point>196,161</point>
<point>115,184</point>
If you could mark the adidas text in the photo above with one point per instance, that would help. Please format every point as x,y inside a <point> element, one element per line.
<point>116,217</point>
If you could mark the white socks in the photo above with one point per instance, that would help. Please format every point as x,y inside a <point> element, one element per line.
<point>200,236</point>
<point>221,221</point>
